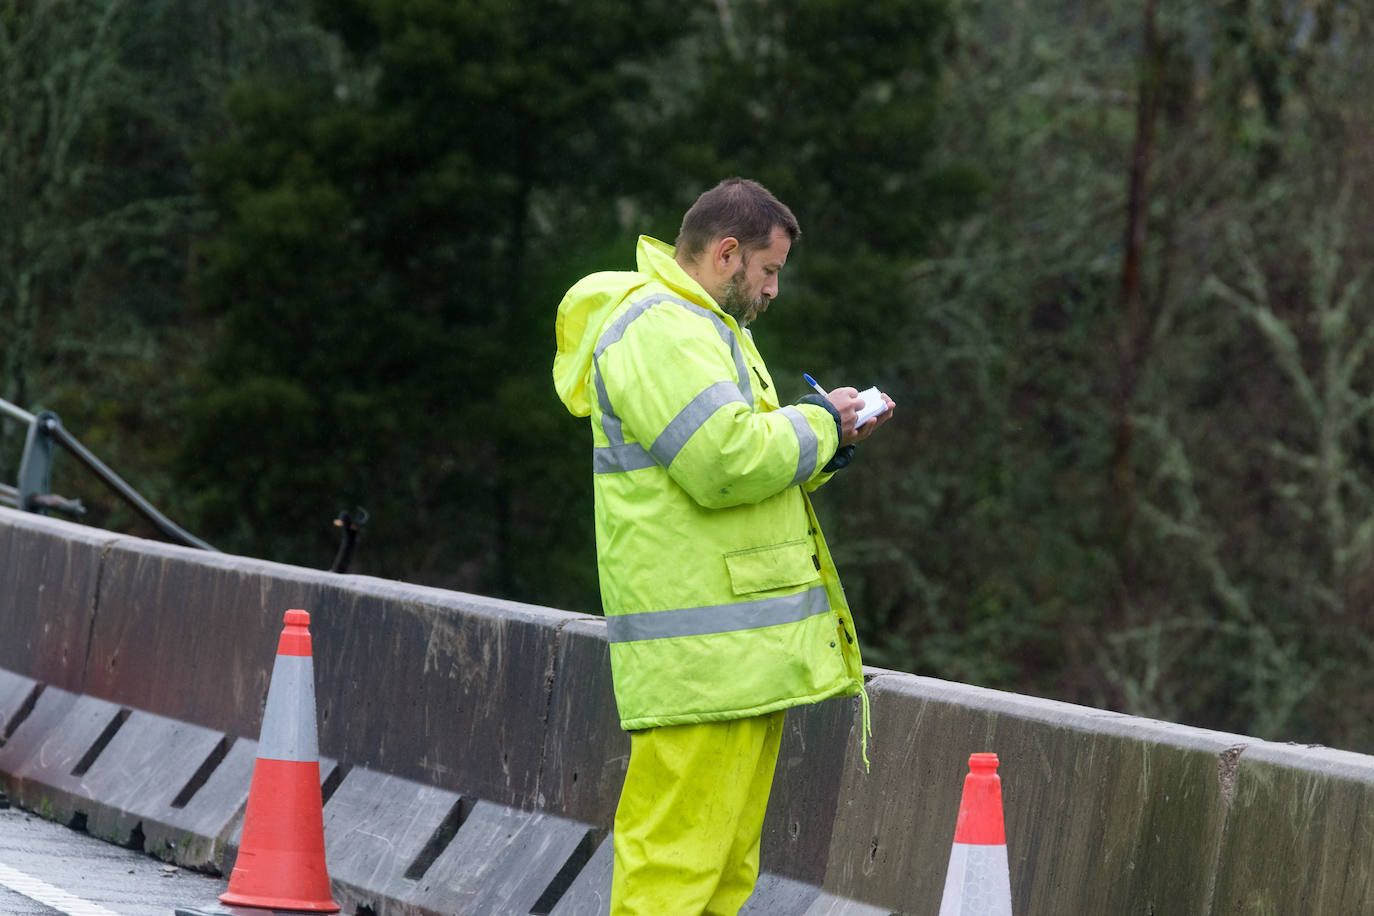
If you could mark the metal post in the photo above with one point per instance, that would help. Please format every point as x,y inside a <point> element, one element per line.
<point>9,495</point>
<point>35,468</point>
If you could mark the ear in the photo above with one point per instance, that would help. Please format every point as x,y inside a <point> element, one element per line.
<point>725,254</point>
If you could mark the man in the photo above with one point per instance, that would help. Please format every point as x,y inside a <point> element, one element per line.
<point>723,607</point>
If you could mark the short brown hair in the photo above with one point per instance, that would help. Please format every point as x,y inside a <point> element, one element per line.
<point>737,207</point>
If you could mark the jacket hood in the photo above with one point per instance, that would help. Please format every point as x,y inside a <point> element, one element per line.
<point>586,307</point>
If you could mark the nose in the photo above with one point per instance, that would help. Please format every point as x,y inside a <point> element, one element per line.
<point>770,288</point>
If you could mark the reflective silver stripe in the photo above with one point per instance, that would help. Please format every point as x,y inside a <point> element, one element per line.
<point>288,722</point>
<point>610,421</point>
<point>806,441</point>
<point>617,327</point>
<point>723,329</point>
<point>746,387</point>
<point>627,456</point>
<point>690,419</point>
<point>718,618</point>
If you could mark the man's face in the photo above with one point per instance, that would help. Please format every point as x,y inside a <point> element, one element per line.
<point>755,283</point>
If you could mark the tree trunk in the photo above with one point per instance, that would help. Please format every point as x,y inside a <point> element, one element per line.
<point>1134,336</point>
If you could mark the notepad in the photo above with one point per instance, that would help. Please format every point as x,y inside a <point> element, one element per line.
<point>873,406</point>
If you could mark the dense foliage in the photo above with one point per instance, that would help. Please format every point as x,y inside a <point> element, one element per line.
<point>1110,258</point>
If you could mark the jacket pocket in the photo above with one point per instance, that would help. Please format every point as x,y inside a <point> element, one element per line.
<point>759,569</point>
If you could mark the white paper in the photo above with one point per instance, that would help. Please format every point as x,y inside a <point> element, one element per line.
<point>873,405</point>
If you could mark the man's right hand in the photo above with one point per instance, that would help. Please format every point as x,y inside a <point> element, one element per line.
<point>848,403</point>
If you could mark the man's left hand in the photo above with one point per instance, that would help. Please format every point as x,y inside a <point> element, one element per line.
<point>863,432</point>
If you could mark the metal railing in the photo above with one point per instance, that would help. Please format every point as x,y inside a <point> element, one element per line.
<point>45,433</point>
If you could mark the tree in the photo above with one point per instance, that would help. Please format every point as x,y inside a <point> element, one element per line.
<point>1265,482</point>
<point>101,104</point>
<point>59,104</point>
<point>831,106</point>
<point>401,228</point>
<point>1181,570</point>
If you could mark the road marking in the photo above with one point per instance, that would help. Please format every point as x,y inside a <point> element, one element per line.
<point>46,894</point>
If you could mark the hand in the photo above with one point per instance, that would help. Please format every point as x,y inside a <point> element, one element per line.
<point>848,403</point>
<point>863,432</point>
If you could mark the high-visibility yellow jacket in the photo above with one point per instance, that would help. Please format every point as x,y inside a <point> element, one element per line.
<point>721,599</point>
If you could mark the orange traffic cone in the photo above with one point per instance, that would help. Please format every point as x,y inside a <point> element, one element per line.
<point>978,880</point>
<point>281,856</point>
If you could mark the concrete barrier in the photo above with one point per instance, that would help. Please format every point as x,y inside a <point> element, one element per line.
<point>1105,813</point>
<point>585,752</point>
<point>1298,836</point>
<point>422,683</point>
<point>382,833</point>
<point>138,780</point>
<point>479,758</point>
<point>48,576</point>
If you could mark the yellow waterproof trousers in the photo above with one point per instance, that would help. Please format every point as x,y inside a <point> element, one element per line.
<point>690,815</point>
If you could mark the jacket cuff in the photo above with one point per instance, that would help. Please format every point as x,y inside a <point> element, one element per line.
<point>841,458</point>
<point>843,455</point>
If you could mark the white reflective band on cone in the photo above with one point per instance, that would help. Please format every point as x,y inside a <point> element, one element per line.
<point>978,882</point>
<point>288,723</point>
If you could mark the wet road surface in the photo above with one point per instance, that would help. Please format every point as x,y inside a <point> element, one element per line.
<point>47,869</point>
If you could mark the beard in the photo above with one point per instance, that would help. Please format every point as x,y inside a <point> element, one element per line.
<point>739,306</point>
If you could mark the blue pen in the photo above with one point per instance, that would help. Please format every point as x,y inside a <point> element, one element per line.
<point>814,384</point>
